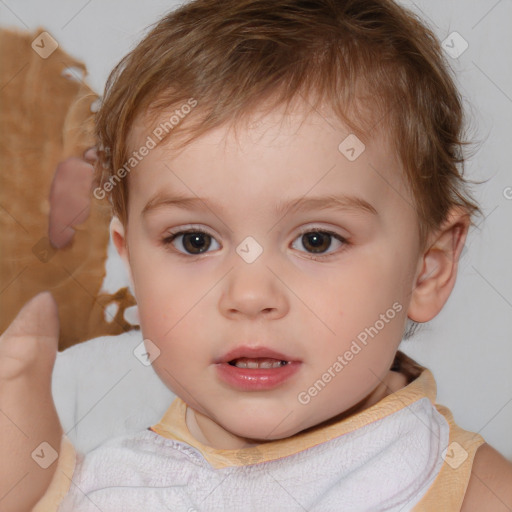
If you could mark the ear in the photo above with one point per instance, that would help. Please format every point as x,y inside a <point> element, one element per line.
<point>118,235</point>
<point>437,270</point>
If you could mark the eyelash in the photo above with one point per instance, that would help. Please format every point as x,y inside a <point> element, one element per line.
<point>167,241</point>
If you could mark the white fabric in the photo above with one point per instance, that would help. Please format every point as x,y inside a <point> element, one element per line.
<point>101,390</point>
<point>385,466</point>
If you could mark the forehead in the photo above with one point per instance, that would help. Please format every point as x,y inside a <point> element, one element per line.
<point>270,155</point>
<point>365,117</point>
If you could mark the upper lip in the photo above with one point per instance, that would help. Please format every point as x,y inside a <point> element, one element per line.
<point>252,353</point>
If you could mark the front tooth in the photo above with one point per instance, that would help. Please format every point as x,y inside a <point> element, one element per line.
<point>255,364</point>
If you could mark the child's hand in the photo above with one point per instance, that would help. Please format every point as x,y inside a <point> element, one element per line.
<point>28,416</point>
<point>70,197</point>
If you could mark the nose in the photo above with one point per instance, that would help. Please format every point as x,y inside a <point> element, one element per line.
<point>253,290</point>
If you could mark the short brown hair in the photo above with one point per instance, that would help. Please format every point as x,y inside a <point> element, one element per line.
<point>375,64</point>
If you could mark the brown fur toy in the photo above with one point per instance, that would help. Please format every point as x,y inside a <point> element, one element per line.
<point>46,118</point>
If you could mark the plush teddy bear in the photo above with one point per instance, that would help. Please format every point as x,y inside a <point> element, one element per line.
<point>54,231</point>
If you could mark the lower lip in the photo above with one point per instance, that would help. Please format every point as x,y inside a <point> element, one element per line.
<point>257,379</point>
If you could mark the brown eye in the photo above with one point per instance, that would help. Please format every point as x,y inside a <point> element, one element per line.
<point>319,242</point>
<point>316,241</point>
<point>196,243</point>
<point>190,242</point>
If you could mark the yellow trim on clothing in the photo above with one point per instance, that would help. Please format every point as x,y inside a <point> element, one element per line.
<point>173,426</point>
<point>448,490</point>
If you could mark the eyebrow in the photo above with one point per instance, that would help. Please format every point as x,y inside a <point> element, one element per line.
<point>328,202</point>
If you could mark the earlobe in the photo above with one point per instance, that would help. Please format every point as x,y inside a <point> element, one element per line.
<point>437,271</point>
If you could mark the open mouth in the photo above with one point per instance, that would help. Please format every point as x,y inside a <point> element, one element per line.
<point>258,363</point>
<point>257,374</point>
<point>250,368</point>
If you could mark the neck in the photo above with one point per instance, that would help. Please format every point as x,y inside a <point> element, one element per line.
<point>207,432</point>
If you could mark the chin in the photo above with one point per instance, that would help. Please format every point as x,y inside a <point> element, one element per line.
<point>261,428</point>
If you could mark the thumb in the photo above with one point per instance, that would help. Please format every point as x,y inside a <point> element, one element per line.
<point>31,340</point>
<point>37,318</point>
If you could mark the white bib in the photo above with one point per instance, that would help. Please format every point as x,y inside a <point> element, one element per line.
<point>386,465</point>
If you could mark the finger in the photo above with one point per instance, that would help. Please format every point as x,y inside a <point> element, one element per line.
<point>37,318</point>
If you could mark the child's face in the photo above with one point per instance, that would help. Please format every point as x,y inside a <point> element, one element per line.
<point>338,319</point>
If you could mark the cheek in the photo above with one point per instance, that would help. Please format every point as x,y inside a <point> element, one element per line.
<point>371,303</point>
<point>157,304</point>
<point>365,290</point>
<point>169,308</point>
